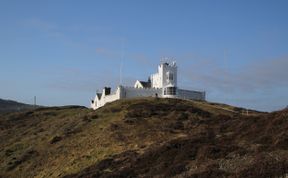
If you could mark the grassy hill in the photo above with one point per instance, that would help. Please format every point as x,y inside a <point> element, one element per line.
<point>144,138</point>
<point>12,106</point>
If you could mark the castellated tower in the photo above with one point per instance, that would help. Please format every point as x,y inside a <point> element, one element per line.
<point>166,79</point>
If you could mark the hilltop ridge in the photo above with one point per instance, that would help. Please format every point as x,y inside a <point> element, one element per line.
<point>7,106</point>
<point>142,138</point>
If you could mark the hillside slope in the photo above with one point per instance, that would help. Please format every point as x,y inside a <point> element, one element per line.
<point>12,106</point>
<point>144,138</point>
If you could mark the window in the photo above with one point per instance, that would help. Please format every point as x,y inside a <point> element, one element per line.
<point>170,91</point>
<point>170,76</point>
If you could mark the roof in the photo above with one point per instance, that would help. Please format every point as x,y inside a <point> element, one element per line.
<point>99,95</point>
<point>145,84</point>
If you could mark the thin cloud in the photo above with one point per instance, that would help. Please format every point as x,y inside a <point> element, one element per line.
<point>49,28</point>
<point>267,74</point>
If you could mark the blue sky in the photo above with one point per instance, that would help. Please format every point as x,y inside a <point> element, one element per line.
<point>63,51</point>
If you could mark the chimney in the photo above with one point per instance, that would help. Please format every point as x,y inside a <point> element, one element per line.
<point>107,90</point>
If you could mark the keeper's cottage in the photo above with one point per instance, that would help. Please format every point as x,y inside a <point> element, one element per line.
<point>163,84</point>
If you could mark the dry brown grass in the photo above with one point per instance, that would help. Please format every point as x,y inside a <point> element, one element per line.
<point>143,137</point>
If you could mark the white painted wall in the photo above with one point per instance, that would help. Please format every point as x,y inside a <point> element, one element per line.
<point>110,98</point>
<point>165,71</point>
<point>125,92</point>
<point>160,79</point>
<point>156,80</point>
<point>105,99</point>
<point>130,92</point>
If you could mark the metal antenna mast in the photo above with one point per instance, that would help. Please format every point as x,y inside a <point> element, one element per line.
<point>122,60</point>
<point>34,101</point>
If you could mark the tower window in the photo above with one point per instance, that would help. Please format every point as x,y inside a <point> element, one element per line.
<point>170,76</point>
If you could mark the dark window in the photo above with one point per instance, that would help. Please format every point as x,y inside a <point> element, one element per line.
<point>170,91</point>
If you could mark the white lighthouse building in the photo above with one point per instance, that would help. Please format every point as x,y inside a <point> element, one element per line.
<point>162,84</point>
<point>166,79</point>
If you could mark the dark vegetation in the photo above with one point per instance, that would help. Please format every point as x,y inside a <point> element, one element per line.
<point>145,138</point>
<point>7,106</point>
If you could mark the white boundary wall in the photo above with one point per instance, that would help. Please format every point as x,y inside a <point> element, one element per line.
<point>99,102</point>
<point>131,92</point>
<point>125,92</point>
